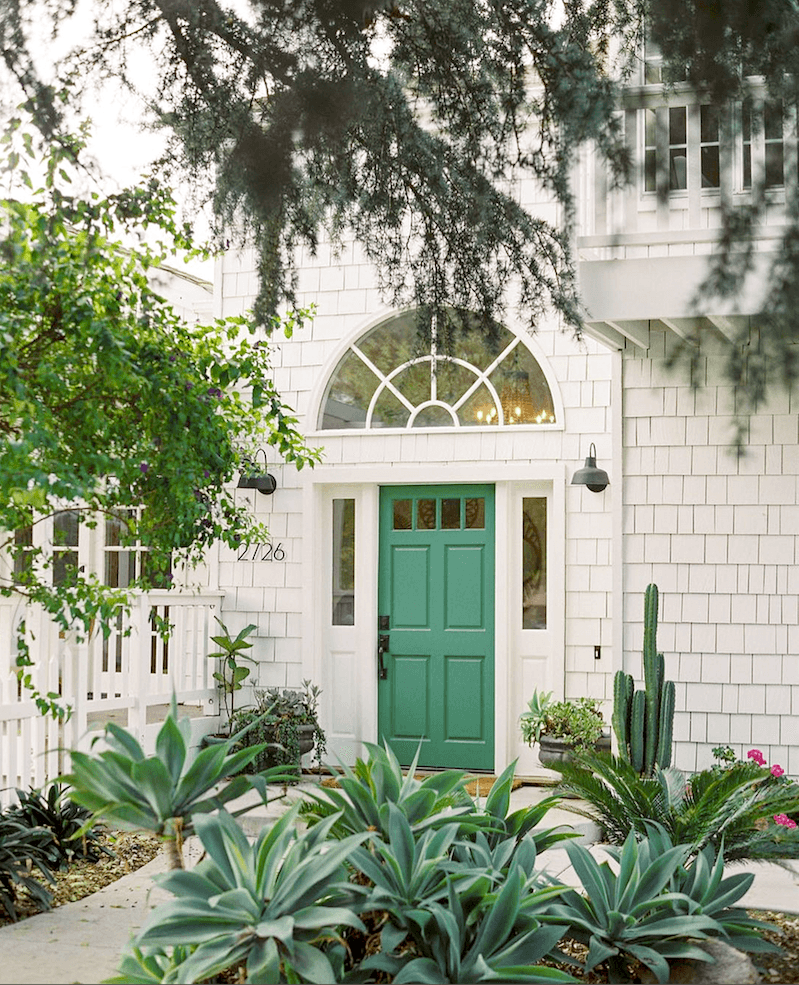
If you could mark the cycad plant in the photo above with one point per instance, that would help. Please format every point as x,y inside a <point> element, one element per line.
<point>735,806</point>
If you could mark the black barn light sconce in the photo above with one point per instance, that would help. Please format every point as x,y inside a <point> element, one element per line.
<point>252,478</point>
<point>589,475</point>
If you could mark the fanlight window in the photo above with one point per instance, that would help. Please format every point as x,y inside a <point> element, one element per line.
<point>390,378</point>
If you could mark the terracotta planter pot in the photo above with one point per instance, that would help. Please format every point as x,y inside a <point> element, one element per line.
<point>552,750</point>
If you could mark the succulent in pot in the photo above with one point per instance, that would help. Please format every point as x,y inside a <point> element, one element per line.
<point>559,727</point>
<point>286,719</point>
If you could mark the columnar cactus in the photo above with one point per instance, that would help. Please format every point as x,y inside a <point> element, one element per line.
<point>643,719</point>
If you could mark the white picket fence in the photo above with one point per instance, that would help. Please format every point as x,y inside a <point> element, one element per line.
<point>128,679</point>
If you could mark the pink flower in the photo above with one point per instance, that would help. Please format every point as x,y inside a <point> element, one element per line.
<point>758,756</point>
<point>777,770</point>
<point>784,820</point>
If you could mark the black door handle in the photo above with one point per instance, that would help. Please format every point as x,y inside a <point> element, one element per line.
<point>382,647</point>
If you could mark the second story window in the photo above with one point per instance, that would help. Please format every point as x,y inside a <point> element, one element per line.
<point>683,139</point>
<point>650,151</point>
<point>772,134</point>
<point>762,121</point>
<point>678,148</point>
<point>709,142</point>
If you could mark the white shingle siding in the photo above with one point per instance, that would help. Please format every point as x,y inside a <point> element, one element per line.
<point>718,535</point>
<point>271,594</point>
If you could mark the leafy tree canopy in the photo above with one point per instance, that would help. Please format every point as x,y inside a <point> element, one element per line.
<point>108,400</point>
<point>410,121</point>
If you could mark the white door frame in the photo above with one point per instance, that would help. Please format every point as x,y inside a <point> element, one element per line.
<point>343,659</point>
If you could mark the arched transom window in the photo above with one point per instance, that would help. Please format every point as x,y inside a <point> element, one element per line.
<point>392,378</point>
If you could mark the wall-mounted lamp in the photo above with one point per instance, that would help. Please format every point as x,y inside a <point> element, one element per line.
<point>253,479</point>
<point>589,475</point>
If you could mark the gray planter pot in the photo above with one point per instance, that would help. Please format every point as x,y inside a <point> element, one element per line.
<point>552,751</point>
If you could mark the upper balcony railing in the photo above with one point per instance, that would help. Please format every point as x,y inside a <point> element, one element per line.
<point>690,159</point>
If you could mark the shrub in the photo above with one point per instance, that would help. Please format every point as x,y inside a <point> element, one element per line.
<point>66,821</point>
<point>24,849</point>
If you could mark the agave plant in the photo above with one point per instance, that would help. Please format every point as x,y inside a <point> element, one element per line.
<point>362,802</point>
<point>646,910</point>
<point>160,793</point>
<point>476,937</point>
<point>265,907</point>
<point>702,881</point>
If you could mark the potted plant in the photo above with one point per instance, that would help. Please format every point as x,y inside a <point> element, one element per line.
<point>231,674</point>
<point>559,727</point>
<point>286,719</point>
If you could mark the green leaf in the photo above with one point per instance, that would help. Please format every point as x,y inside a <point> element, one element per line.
<point>311,964</point>
<point>170,748</point>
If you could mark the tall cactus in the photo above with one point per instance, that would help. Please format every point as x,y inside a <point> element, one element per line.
<point>643,720</point>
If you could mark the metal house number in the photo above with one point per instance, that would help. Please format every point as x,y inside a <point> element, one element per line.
<point>262,552</point>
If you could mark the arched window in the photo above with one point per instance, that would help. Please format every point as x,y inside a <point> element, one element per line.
<point>392,378</point>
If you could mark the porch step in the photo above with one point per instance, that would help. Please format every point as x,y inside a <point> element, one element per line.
<point>260,816</point>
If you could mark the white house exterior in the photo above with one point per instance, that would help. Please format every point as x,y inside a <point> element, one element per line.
<point>715,532</point>
<point>446,507</point>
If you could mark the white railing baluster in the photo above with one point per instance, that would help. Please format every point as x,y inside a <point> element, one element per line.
<point>34,748</point>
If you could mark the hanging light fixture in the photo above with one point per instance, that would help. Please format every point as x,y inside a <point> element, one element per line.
<point>589,475</point>
<point>251,478</point>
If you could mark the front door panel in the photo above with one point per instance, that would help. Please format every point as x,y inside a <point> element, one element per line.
<point>437,589</point>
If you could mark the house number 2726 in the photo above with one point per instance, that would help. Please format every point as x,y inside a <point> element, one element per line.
<point>261,552</point>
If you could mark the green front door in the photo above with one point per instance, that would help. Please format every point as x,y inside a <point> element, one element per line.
<point>436,606</point>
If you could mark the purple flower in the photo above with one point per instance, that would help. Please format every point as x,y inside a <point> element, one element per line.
<point>173,357</point>
<point>777,770</point>
<point>143,468</point>
<point>214,391</point>
<point>758,756</point>
<point>206,473</point>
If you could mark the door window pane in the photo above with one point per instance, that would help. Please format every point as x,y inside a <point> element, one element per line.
<point>402,514</point>
<point>344,562</point>
<point>746,144</point>
<point>120,564</point>
<point>534,563</point>
<point>426,514</point>
<point>475,513</point>
<point>450,514</point>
